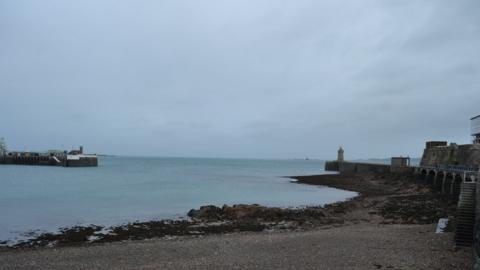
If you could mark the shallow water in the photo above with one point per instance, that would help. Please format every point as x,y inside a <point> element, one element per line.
<point>125,189</point>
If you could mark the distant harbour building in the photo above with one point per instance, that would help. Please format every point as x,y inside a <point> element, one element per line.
<point>76,158</point>
<point>475,124</point>
<point>55,153</point>
<point>400,164</point>
<point>400,161</point>
<point>3,147</point>
<point>76,152</point>
<point>73,158</point>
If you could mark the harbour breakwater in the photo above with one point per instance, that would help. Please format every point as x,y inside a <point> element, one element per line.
<point>351,168</point>
<point>63,158</point>
<point>64,161</point>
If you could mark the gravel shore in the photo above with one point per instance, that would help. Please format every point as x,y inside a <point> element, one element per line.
<point>359,246</point>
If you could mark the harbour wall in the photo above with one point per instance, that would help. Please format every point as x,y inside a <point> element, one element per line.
<point>32,160</point>
<point>90,161</point>
<point>82,162</point>
<point>453,154</point>
<point>349,168</point>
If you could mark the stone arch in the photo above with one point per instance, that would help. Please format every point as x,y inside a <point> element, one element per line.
<point>456,186</point>
<point>431,178</point>
<point>470,178</point>
<point>447,185</point>
<point>423,174</point>
<point>439,181</point>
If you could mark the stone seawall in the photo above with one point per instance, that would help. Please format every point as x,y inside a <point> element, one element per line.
<point>49,161</point>
<point>346,167</point>
<point>467,154</point>
<point>32,160</point>
<point>83,162</point>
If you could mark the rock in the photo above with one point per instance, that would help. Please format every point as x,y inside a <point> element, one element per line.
<point>208,213</point>
<point>245,212</point>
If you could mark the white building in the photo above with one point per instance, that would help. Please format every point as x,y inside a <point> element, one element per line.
<point>475,129</point>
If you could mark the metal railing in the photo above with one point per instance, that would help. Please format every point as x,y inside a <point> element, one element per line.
<point>454,168</point>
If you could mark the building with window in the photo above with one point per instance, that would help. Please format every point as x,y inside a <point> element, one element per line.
<point>475,124</point>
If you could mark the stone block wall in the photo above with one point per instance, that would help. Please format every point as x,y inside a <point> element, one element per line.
<point>331,166</point>
<point>83,162</point>
<point>32,160</point>
<point>467,154</point>
<point>346,167</point>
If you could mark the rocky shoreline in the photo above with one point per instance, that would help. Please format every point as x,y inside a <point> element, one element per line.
<point>383,199</point>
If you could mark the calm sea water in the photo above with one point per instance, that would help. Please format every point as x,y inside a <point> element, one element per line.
<point>125,189</point>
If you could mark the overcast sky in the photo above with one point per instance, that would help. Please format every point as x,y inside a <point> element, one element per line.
<point>261,79</point>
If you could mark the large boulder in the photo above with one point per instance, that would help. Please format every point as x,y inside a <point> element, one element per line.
<point>206,213</point>
<point>244,212</point>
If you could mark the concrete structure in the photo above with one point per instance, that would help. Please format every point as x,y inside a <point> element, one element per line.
<point>350,168</point>
<point>400,161</point>
<point>81,160</point>
<point>459,155</point>
<point>56,153</point>
<point>30,160</point>
<point>432,144</point>
<point>447,178</point>
<point>446,167</point>
<point>3,147</point>
<point>78,151</point>
<point>74,158</point>
<point>400,164</point>
<point>475,129</point>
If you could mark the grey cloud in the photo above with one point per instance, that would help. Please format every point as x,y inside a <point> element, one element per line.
<point>268,78</point>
